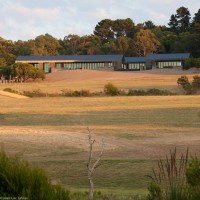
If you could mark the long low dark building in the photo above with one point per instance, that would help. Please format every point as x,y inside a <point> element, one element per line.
<point>110,62</point>
<point>70,62</point>
<point>152,61</point>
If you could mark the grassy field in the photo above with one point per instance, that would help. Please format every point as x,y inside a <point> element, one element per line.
<point>95,80</point>
<point>52,133</point>
<point>137,130</point>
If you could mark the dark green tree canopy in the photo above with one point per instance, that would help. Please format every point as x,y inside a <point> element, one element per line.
<point>180,22</point>
<point>104,30</point>
<point>149,25</point>
<point>123,28</point>
<point>196,22</point>
<point>110,29</point>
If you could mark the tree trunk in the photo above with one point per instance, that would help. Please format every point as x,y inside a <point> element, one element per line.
<point>91,188</point>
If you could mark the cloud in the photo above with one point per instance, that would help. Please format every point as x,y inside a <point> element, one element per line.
<point>24,19</point>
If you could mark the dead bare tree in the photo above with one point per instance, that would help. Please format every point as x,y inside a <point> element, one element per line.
<point>91,166</point>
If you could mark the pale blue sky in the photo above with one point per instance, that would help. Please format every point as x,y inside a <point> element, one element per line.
<point>26,19</point>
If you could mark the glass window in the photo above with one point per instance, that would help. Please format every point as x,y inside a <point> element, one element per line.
<point>35,65</point>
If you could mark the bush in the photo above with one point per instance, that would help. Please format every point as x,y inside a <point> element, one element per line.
<point>136,92</point>
<point>196,82</point>
<point>190,88</point>
<point>150,92</point>
<point>193,178</point>
<point>111,89</point>
<point>35,93</point>
<point>19,179</point>
<point>11,90</point>
<point>183,80</point>
<point>76,93</point>
<point>192,62</point>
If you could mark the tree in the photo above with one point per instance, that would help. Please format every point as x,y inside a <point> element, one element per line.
<point>5,71</point>
<point>22,48</point>
<point>149,25</point>
<point>120,45</point>
<point>180,22</point>
<point>196,22</point>
<point>187,42</point>
<point>146,42</point>
<point>25,71</point>
<point>92,166</point>
<point>89,45</point>
<point>106,48</point>
<point>104,30</point>
<point>9,58</point>
<point>37,74</point>
<point>123,28</point>
<point>183,16</point>
<point>71,44</point>
<point>45,45</point>
<point>168,40</point>
<point>173,23</point>
<point>6,46</point>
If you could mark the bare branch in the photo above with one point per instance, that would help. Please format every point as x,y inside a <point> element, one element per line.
<point>90,166</point>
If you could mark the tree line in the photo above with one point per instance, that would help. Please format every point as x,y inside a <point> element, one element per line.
<point>120,36</point>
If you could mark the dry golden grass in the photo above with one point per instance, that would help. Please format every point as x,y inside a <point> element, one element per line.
<point>62,105</point>
<point>136,130</point>
<point>95,80</point>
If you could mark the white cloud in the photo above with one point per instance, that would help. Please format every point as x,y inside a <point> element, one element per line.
<point>25,19</point>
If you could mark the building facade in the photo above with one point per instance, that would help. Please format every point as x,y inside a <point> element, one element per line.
<point>54,63</point>
<point>110,62</point>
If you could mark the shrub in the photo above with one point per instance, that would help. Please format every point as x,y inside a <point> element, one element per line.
<point>187,86</point>
<point>35,93</point>
<point>192,62</point>
<point>153,92</point>
<point>136,93</point>
<point>76,93</point>
<point>196,82</point>
<point>183,80</point>
<point>19,179</point>
<point>82,93</point>
<point>193,178</point>
<point>158,92</point>
<point>11,90</point>
<point>111,89</point>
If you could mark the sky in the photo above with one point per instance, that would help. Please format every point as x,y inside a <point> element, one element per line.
<point>27,19</point>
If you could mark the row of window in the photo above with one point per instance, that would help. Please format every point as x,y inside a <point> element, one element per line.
<point>96,65</point>
<point>82,65</point>
<point>169,64</point>
<point>134,66</point>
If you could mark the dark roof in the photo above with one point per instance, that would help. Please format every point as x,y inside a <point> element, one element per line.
<point>170,56</point>
<point>135,60</point>
<point>83,58</point>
